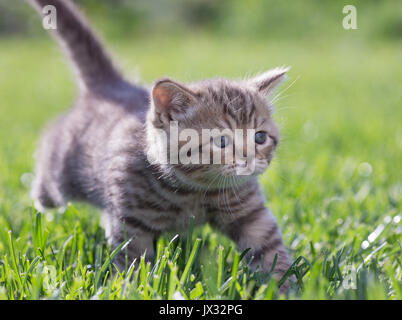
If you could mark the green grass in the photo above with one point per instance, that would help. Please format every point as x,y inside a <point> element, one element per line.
<point>335,185</point>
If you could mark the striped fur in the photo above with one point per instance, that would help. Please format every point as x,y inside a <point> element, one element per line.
<point>102,152</point>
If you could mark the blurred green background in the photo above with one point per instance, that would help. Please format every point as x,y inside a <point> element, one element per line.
<point>336,183</point>
<point>232,18</point>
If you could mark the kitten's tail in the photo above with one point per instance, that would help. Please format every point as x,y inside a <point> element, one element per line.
<point>94,67</point>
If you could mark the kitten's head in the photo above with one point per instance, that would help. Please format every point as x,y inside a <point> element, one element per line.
<point>217,128</point>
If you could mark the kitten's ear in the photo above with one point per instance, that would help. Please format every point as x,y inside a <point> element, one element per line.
<point>266,82</point>
<point>169,96</point>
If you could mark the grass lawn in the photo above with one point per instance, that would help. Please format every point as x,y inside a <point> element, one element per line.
<point>335,185</point>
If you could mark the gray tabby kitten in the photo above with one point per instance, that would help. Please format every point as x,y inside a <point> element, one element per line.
<point>103,152</point>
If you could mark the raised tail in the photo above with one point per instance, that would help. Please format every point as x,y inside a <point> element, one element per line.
<point>94,67</point>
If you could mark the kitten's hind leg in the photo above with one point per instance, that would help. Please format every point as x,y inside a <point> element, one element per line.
<point>43,198</point>
<point>45,189</point>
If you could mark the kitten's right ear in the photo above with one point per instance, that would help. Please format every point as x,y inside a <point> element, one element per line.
<point>268,81</point>
<point>170,97</point>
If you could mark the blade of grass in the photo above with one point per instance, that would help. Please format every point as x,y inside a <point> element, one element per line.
<point>106,264</point>
<point>190,262</point>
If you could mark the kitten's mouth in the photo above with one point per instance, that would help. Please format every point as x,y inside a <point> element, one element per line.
<point>215,177</point>
<point>244,168</point>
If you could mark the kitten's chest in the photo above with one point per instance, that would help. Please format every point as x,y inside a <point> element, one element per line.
<point>192,206</point>
<point>188,207</point>
<point>168,209</point>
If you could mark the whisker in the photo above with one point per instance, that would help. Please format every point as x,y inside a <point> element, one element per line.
<point>280,98</point>
<point>284,90</point>
<point>225,197</point>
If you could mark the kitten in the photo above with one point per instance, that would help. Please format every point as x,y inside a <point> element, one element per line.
<point>104,151</point>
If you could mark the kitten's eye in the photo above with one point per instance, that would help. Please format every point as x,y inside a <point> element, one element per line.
<point>221,141</point>
<point>260,137</point>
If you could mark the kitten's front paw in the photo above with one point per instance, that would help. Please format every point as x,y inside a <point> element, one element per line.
<point>284,288</point>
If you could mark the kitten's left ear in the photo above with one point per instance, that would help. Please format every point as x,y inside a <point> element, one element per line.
<point>171,100</point>
<point>169,95</point>
<point>266,82</point>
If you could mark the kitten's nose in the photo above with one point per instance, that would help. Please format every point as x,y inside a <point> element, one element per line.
<point>245,167</point>
<point>242,163</point>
